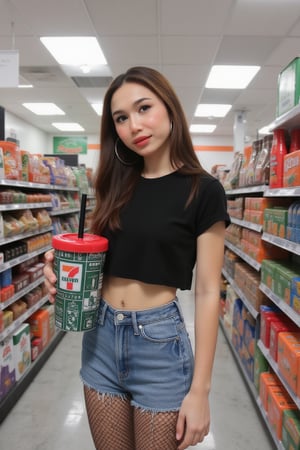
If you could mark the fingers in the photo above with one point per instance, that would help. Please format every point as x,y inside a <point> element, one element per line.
<point>189,437</point>
<point>50,278</point>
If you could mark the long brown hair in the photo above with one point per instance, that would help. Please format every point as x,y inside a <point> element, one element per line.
<point>114,182</point>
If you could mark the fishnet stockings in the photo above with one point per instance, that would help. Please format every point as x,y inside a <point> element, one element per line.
<point>116,425</point>
<point>155,431</point>
<point>111,421</point>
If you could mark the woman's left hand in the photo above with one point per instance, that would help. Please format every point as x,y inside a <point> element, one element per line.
<point>193,420</point>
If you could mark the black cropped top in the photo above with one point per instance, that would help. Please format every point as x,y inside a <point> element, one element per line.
<point>157,241</point>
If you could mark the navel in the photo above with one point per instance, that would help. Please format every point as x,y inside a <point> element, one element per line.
<point>123,303</point>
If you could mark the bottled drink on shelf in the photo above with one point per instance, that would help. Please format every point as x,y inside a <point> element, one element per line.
<point>276,158</point>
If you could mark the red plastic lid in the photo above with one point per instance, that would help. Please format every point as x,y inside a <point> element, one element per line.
<point>70,242</point>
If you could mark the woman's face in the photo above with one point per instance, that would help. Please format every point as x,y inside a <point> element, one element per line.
<point>141,119</point>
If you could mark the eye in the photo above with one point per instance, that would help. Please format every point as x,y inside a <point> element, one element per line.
<point>120,119</point>
<point>144,108</point>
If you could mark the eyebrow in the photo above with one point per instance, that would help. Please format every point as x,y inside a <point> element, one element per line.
<point>136,103</point>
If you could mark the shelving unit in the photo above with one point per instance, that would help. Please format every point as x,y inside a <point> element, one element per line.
<point>288,121</point>
<point>20,386</point>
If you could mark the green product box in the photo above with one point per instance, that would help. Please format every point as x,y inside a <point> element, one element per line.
<point>283,283</point>
<point>288,87</point>
<point>268,273</point>
<point>280,220</point>
<point>260,365</point>
<point>291,429</point>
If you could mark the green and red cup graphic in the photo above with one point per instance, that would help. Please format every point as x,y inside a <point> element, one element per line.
<point>78,265</point>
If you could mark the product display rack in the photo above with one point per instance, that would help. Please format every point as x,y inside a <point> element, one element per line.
<point>288,121</point>
<point>21,385</point>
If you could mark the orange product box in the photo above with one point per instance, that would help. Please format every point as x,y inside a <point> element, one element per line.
<point>289,358</point>
<point>276,328</point>
<point>267,379</point>
<point>277,403</point>
<point>39,325</point>
<point>291,169</point>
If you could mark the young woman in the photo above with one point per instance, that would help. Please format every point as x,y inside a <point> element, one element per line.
<point>163,214</point>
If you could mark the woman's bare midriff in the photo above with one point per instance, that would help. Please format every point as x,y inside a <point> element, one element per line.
<point>122,293</point>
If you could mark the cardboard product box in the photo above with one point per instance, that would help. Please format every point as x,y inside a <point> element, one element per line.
<point>291,429</point>
<point>291,169</point>
<point>288,87</point>
<point>7,366</point>
<point>22,350</point>
<point>276,328</point>
<point>266,380</point>
<point>51,311</point>
<point>267,317</point>
<point>39,325</point>
<point>278,402</point>
<point>249,334</point>
<point>289,358</point>
<point>261,365</point>
<point>36,347</point>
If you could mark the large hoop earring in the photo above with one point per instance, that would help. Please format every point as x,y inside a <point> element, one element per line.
<point>122,161</point>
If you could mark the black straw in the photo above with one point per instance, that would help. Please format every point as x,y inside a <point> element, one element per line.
<point>82,216</point>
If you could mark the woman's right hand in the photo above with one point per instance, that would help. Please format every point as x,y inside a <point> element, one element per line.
<point>50,278</point>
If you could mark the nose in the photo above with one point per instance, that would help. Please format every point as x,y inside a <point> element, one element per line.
<point>135,124</point>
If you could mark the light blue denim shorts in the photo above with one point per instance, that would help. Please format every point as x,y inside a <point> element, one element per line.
<point>145,356</point>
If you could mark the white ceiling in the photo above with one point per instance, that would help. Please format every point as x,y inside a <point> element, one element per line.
<point>181,38</point>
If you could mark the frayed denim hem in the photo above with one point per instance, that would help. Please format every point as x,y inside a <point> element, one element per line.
<point>104,395</point>
<point>153,410</point>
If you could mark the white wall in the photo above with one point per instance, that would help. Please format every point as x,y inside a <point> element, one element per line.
<point>37,141</point>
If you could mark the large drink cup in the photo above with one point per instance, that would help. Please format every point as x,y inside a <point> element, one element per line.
<point>78,265</point>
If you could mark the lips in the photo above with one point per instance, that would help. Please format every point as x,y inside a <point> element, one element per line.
<point>142,140</point>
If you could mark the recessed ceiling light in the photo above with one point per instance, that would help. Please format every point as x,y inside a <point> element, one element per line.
<point>71,126</point>
<point>25,86</point>
<point>75,51</point>
<point>44,109</point>
<point>197,128</point>
<point>98,107</point>
<point>212,110</point>
<point>231,77</point>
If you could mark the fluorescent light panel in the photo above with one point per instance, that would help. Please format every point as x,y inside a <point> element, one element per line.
<point>198,128</point>
<point>231,77</point>
<point>75,51</point>
<point>212,110</point>
<point>71,126</point>
<point>98,107</point>
<point>44,109</point>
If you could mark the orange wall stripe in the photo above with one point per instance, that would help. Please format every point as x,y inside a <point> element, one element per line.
<point>213,148</point>
<point>93,146</point>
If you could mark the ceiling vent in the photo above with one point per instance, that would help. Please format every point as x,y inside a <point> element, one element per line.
<point>92,82</point>
<point>38,75</point>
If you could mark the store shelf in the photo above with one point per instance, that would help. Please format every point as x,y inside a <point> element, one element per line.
<point>20,387</point>
<point>60,212</point>
<point>22,236</point>
<point>283,192</point>
<point>290,312</point>
<point>283,243</point>
<point>29,184</point>
<point>251,388</point>
<point>247,224</point>
<point>274,366</point>
<point>21,293</point>
<point>241,295</point>
<point>288,121</point>
<point>20,206</point>
<point>247,190</point>
<point>22,258</point>
<point>18,322</point>
<point>252,262</point>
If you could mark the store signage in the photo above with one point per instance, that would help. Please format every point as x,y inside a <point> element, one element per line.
<point>9,68</point>
<point>70,145</point>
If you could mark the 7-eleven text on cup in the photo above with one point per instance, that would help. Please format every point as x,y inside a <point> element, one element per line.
<point>70,277</point>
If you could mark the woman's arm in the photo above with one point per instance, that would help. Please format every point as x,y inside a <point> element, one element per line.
<point>194,416</point>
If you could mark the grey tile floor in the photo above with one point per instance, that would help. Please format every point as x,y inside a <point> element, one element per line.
<point>50,415</point>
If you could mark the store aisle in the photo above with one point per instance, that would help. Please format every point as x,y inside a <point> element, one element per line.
<point>50,415</point>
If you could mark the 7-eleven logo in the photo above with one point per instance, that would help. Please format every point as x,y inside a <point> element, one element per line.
<point>70,277</point>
